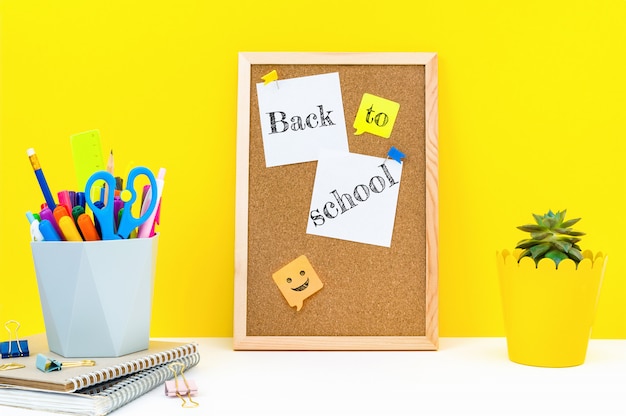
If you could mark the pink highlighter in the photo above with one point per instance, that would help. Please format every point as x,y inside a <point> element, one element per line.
<point>147,228</point>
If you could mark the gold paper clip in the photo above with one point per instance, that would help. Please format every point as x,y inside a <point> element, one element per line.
<point>173,389</point>
<point>47,365</point>
<point>11,366</point>
<point>14,348</point>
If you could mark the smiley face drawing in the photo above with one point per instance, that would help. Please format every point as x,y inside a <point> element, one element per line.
<point>297,281</point>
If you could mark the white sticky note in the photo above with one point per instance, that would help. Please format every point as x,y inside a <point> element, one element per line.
<point>355,198</point>
<point>301,116</point>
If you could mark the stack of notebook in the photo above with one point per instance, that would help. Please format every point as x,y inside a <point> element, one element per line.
<point>97,390</point>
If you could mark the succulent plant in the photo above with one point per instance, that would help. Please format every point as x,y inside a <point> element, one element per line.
<point>551,237</point>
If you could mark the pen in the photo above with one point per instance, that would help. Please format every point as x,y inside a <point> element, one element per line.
<point>110,169</point>
<point>157,219</point>
<point>65,200</point>
<point>59,212</point>
<point>77,211</point>
<point>34,161</point>
<point>46,214</point>
<point>48,231</point>
<point>67,224</point>
<point>69,229</point>
<point>146,227</point>
<point>80,199</point>
<point>34,227</point>
<point>87,228</point>
<point>96,223</point>
<point>118,204</point>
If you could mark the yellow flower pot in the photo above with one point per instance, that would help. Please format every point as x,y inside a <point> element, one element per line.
<point>549,311</point>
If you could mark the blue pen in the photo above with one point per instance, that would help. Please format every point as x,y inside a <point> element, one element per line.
<point>48,231</point>
<point>80,199</point>
<point>96,223</point>
<point>34,161</point>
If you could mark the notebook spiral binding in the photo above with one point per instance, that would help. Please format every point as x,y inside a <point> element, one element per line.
<point>129,367</point>
<point>123,392</point>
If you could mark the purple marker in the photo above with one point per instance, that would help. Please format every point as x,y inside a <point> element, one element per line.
<point>46,214</point>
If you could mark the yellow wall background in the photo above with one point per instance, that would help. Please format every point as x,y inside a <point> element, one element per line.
<point>532,113</point>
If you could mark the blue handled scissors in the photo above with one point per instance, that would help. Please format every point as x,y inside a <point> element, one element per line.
<point>106,214</point>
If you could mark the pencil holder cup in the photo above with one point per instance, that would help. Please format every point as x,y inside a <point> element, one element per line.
<point>96,296</point>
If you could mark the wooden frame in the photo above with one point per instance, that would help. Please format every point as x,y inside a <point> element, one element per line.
<point>423,209</point>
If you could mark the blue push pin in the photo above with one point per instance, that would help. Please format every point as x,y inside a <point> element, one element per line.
<point>395,154</point>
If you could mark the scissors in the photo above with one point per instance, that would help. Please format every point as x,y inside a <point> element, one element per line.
<point>106,214</point>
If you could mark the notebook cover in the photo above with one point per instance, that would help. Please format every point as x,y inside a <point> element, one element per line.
<point>71,379</point>
<point>97,400</point>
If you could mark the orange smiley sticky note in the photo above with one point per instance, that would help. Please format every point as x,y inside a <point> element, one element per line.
<point>297,281</point>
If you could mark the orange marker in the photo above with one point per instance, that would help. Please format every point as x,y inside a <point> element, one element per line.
<point>69,228</point>
<point>87,228</point>
<point>59,212</point>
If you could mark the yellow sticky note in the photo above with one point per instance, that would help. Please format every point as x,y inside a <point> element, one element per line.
<point>269,77</point>
<point>376,115</point>
<point>297,281</point>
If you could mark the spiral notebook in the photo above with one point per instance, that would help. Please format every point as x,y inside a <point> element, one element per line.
<point>98,400</point>
<point>78,378</point>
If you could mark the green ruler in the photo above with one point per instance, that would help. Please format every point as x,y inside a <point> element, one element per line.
<point>88,158</point>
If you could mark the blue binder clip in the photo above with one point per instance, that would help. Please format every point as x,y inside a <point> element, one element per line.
<point>47,365</point>
<point>17,348</point>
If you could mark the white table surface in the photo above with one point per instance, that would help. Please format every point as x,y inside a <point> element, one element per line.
<point>467,376</point>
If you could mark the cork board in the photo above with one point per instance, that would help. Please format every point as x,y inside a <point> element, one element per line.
<point>374,298</point>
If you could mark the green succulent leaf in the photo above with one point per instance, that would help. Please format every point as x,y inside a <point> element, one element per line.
<point>556,255</point>
<point>538,250</point>
<point>550,222</point>
<point>576,233</point>
<point>524,244</point>
<point>541,235</point>
<point>530,228</point>
<point>560,216</point>
<point>538,219</point>
<point>575,254</point>
<point>563,246</point>
<point>569,231</point>
<point>569,223</point>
